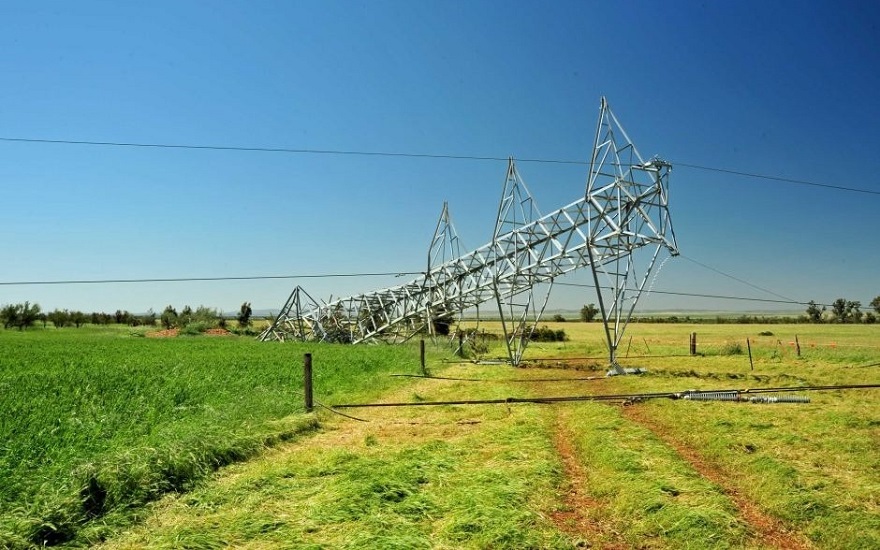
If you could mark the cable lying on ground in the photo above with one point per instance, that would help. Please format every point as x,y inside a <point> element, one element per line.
<point>688,395</point>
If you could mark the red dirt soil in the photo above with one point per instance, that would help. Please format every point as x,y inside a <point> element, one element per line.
<point>769,531</point>
<point>171,333</point>
<point>575,518</point>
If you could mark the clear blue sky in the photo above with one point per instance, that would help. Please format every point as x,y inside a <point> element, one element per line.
<point>781,88</point>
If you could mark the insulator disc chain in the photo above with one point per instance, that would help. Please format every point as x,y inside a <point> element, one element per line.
<point>735,396</point>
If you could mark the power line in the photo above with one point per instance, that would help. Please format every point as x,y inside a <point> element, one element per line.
<point>698,295</point>
<point>341,275</point>
<point>284,150</point>
<point>737,279</point>
<point>203,279</point>
<point>708,395</point>
<point>778,178</point>
<point>304,151</point>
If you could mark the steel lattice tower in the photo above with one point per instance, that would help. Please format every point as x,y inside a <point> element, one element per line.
<point>618,230</point>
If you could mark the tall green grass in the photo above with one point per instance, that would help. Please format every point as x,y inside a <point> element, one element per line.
<point>95,423</point>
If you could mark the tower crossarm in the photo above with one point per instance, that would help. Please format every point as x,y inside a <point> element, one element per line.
<point>624,209</point>
<point>535,253</point>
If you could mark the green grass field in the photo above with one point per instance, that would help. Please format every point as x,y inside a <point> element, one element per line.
<point>96,422</point>
<point>114,438</point>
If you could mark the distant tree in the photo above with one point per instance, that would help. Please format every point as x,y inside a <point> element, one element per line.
<point>28,314</point>
<point>870,318</point>
<point>853,311</point>
<point>558,318</point>
<point>9,315</point>
<point>814,313</point>
<point>205,314</point>
<point>149,318</point>
<point>125,317</point>
<point>588,312</point>
<point>78,318</point>
<point>244,315</point>
<point>838,308</point>
<point>875,303</point>
<point>59,318</point>
<point>185,317</point>
<point>169,317</point>
<point>101,318</point>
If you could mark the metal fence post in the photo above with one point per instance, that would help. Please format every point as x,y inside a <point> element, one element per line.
<point>749,345</point>
<point>422,355</point>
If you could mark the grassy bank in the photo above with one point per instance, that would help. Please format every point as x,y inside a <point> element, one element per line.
<point>96,422</point>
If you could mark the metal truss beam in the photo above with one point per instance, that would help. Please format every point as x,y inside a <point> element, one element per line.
<point>624,210</point>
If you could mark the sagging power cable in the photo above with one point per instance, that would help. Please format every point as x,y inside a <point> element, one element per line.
<point>695,395</point>
<point>500,380</point>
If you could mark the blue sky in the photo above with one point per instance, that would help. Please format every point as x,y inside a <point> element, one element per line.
<point>786,89</point>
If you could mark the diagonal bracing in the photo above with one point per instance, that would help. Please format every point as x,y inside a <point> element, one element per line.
<point>622,217</point>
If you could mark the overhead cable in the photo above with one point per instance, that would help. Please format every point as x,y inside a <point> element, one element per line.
<point>341,275</point>
<point>778,178</point>
<point>737,279</point>
<point>699,295</point>
<point>305,151</point>
<point>203,279</point>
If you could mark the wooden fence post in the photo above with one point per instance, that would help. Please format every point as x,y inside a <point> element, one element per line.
<point>307,381</point>
<point>797,344</point>
<point>693,343</point>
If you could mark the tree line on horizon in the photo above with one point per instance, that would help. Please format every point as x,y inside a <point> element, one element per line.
<point>27,314</point>
<point>842,311</point>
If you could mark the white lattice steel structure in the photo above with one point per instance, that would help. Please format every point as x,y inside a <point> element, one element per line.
<point>622,223</point>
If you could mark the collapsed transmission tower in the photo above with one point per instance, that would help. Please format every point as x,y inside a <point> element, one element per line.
<point>618,230</point>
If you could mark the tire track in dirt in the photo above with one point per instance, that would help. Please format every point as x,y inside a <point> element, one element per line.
<point>768,531</point>
<point>575,518</point>
<point>578,514</point>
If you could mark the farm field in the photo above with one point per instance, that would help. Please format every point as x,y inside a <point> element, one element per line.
<point>95,422</point>
<point>652,474</point>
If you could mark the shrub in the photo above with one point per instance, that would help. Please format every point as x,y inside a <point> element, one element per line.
<point>169,317</point>
<point>196,328</point>
<point>731,348</point>
<point>547,334</point>
<point>244,315</point>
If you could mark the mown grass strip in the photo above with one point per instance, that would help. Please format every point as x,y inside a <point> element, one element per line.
<point>811,468</point>
<point>454,477</point>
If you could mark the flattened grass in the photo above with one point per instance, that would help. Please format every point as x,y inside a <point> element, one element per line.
<point>443,477</point>
<point>454,477</point>
<point>649,493</point>
<point>815,467</point>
